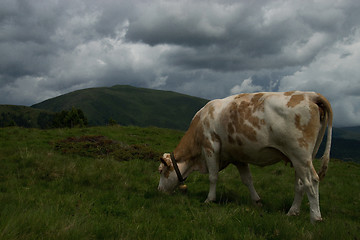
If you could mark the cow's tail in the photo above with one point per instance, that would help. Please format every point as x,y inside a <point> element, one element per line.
<point>326,118</point>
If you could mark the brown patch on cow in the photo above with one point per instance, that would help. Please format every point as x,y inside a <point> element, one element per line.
<point>302,143</point>
<point>249,132</point>
<point>297,121</point>
<point>190,145</point>
<point>168,170</point>
<point>257,102</point>
<point>231,129</point>
<point>244,109</point>
<point>302,140</point>
<point>255,121</point>
<point>166,160</point>
<point>166,165</point>
<point>309,130</point>
<point>211,111</point>
<point>289,93</point>
<point>207,123</point>
<point>239,114</point>
<point>242,95</point>
<point>215,137</point>
<point>295,100</point>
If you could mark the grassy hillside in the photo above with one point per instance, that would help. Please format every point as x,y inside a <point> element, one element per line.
<point>13,115</point>
<point>50,192</point>
<point>129,106</point>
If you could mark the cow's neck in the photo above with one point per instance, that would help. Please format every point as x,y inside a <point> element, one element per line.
<point>189,159</point>
<point>189,149</point>
<point>184,158</point>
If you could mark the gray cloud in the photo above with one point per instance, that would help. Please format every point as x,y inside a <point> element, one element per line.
<point>204,48</point>
<point>242,36</point>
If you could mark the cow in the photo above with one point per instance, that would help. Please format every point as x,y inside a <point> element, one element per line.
<point>255,128</point>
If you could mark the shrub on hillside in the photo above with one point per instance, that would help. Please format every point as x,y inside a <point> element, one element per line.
<point>72,118</point>
<point>100,146</point>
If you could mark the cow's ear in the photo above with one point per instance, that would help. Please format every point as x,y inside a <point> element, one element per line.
<point>164,161</point>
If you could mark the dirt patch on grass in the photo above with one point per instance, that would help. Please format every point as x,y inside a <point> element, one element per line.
<point>101,146</point>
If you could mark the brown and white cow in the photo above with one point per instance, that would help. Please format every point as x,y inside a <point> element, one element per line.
<point>260,129</point>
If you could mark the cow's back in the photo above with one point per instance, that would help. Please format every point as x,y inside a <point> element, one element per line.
<point>262,128</point>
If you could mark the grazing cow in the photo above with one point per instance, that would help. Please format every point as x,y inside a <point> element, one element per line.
<point>260,129</point>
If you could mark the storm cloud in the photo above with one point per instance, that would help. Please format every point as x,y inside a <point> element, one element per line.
<point>209,49</point>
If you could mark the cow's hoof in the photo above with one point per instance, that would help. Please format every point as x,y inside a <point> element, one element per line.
<point>208,201</point>
<point>293,212</point>
<point>316,220</point>
<point>258,203</point>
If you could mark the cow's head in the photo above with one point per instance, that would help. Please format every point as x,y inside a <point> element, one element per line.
<point>168,178</point>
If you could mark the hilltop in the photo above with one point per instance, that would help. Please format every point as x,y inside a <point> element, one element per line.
<point>129,105</point>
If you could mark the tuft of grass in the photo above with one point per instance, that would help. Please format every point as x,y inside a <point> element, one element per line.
<point>101,146</point>
<point>49,194</point>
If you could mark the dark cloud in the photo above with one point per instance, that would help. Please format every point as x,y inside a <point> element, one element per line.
<point>241,36</point>
<point>204,48</point>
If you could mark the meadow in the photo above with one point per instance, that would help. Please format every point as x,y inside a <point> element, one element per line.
<point>55,185</point>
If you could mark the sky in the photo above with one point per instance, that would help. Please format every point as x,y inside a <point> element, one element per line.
<point>209,49</point>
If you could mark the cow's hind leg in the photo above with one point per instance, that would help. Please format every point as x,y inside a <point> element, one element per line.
<point>299,194</point>
<point>246,178</point>
<point>310,180</point>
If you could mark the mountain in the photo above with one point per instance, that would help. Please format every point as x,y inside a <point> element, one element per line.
<point>129,105</point>
<point>345,144</point>
<point>351,133</point>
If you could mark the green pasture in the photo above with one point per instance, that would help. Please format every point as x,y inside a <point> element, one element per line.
<point>53,188</point>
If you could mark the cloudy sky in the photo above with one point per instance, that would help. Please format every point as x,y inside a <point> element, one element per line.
<point>205,48</point>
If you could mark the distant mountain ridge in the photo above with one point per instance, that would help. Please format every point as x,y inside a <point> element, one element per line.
<point>129,105</point>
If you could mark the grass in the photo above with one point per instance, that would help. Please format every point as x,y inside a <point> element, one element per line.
<point>46,193</point>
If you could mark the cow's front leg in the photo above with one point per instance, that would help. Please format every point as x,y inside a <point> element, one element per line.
<point>213,168</point>
<point>246,178</point>
<point>212,190</point>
